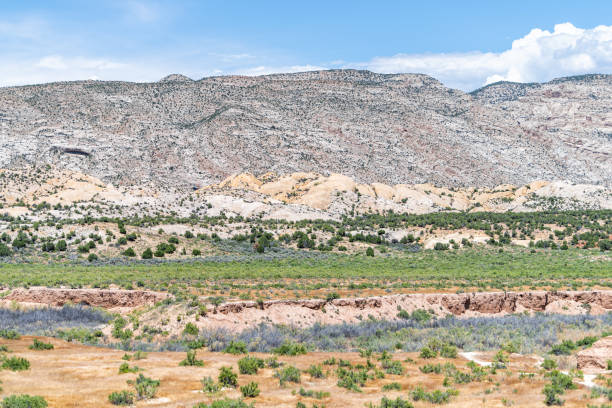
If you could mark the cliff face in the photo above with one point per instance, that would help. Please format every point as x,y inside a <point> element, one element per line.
<point>393,129</point>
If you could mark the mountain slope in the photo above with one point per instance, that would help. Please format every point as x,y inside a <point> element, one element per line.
<point>404,128</point>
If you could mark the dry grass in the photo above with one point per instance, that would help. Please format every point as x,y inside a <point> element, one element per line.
<point>73,375</point>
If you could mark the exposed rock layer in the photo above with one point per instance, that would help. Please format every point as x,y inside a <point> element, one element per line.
<point>104,298</point>
<point>404,128</point>
<point>597,356</point>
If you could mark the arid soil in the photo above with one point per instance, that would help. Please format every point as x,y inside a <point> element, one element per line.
<point>104,298</point>
<point>303,313</point>
<point>596,357</point>
<point>83,376</point>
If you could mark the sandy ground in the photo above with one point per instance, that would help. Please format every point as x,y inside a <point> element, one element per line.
<point>80,376</point>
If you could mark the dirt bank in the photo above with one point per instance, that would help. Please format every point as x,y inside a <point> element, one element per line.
<point>596,357</point>
<point>105,298</point>
<point>305,313</point>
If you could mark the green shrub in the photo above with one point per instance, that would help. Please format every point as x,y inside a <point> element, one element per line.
<point>4,250</point>
<point>427,352</point>
<point>251,390</point>
<point>609,363</point>
<point>191,360</point>
<point>313,394</point>
<point>315,371</point>
<point>290,349</point>
<point>399,402</point>
<point>434,397</point>
<point>9,334</point>
<point>393,367</point>
<point>250,365</point>
<point>191,329</point>
<point>92,257</point>
<point>24,401</point>
<point>369,252</point>
<point>549,364</point>
<point>39,345</point>
<point>129,252</point>
<point>236,347</point>
<point>147,254</point>
<point>227,377</point>
<point>125,368</point>
<point>225,403</point>
<point>394,386</point>
<point>288,374</point>
<point>15,364</point>
<point>146,387</point>
<point>121,398</point>
<point>448,351</point>
<point>565,348</point>
<point>209,386</point>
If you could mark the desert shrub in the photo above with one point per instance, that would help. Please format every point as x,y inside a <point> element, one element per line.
<point>549,364</point>
<point>147,254</point>
<point>9,334</point>
<point>227,377</point>
<point>565,348</point>
<point>236,347</point>
<point>129,252</point>
<point>209,386</point>
<point>587,341</point>
<point>440,246</point>
<point>125,368</point>
<point>448,351</point>
<point>313,393</point>
<point>393,367</point>
<point>315,371</point>
<point>225,403</point>
<point>431,368</point>
<point>351,379</point>
<point>427,352</point>
<point>551,395</point>
<point>399,402</point>
<point>330,361</point>
<point>196,252</point>
<point>24,401</point>
<point>250,365</point>
<point>369,251</point>
<point>40,345</point>
<point>394,386</point>
<point>272,362</point>
<point>290,349</point>
<point>191,329</point>
<point>288,374</point>
<point>609,363</point>
<point>121,398</point>
<point>4,250</point>
<point>15,363</point>
<point>146,387</point>
<point>92,257</point>
<point>191,360</point>
<point>251,390</point>
<point>434,397</point>
<point>4,348</point>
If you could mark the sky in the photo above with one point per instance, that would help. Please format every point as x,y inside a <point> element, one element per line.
<point>465,44</point>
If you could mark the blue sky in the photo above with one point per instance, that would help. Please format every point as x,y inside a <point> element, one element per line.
<point>465,44</point>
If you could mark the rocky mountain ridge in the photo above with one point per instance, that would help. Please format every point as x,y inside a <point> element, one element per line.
<point>390,128</point>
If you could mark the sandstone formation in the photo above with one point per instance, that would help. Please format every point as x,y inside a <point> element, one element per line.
<point>105,298</point>
<point>238,315</point>
<point>596,357</point>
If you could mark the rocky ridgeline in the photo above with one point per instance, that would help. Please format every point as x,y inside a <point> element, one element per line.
<point>404,128</point>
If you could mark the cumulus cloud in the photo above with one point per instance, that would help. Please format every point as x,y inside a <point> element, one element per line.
<point>539,56</point>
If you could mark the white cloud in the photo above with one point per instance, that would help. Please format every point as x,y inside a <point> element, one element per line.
<point>539,56</point>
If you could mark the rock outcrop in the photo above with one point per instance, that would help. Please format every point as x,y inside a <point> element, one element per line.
<point>374,128</point>
<point>596,357</point>
<point>105,298</point>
